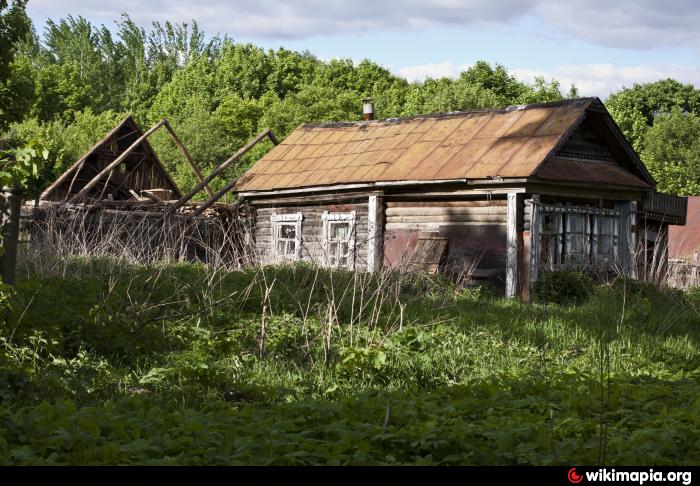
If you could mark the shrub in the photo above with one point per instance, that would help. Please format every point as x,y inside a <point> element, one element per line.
<point>563,287</point>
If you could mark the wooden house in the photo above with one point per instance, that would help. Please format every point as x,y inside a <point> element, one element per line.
<point>501,195</point>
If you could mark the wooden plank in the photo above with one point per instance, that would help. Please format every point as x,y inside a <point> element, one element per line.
<point>203,183</point>
<point>433,226</point>
<point>446,204</point>
<point>534,256</point>
<point>337,197</point>
<point>497,210</point>
<point>375,233</point>
<point>116,162</point>
<point>512,247</point>
<point>453,218</point>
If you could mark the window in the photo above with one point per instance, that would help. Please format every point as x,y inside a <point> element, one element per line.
<point>577,237</point>
<point>286,237</point>
<point>339,239</point>
<point>605,239</point>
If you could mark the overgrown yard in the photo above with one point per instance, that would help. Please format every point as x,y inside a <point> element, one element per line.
<point>105,362</point>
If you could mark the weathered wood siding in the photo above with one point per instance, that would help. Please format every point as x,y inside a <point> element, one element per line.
<point>475,232</point>
<point>311,230</point>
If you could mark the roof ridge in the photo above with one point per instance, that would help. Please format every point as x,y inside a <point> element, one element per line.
<point>453,114</point>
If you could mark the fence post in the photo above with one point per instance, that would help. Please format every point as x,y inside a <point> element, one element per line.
<point>10,207</point>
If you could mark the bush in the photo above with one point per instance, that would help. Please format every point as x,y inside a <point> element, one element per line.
<point>564,287</point>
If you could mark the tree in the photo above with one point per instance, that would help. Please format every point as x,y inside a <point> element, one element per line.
<point>635,109</point>
<point>16,85</point>
<point>672,152</point>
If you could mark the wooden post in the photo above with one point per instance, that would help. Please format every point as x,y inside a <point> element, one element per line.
<point>530,257</point>
<point>223,166</point>
<point>207,204</point>
<point>627,246</point>
<point>11,206</point>
<point>512,246</point>
<point>116,161</point>
<point>375,233</point>
<point>187,157</point>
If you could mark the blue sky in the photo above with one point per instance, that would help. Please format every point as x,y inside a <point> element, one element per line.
<point>598,45</point>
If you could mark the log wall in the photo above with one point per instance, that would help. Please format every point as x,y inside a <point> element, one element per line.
<point>475,231</point>
<point>312,230</point>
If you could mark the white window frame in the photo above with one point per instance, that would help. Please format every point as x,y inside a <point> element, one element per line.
<point>562,215</point>
<point>328,220</point>
<point>278,220</point>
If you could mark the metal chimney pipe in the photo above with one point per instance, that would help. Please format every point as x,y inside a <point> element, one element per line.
<point>368,109</point>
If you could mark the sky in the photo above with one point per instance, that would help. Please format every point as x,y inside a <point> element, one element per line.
<point>598,45</point>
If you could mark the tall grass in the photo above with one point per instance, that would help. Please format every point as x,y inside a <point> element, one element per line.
<point>608,379</point>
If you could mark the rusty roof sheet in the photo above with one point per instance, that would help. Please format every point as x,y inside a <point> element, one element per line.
<point>684,241</point>
<point>464,145</point>
<point>589,171</point>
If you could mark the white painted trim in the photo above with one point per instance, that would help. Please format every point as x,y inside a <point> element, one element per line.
<point>534,241</point>
<point>350,217</point>
<point>275,220</point>
<point>374,233</point>
<point>370,185</point>
<point>512,247</point>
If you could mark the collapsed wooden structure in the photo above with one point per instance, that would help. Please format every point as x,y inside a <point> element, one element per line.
<point>118,199</point>
<point>501,194</point>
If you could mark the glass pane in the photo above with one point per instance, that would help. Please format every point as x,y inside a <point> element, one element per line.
<point>280,247</point>
<point>576,223</point>
<point>340,231</point>
<point>549,223</point>
<point>287,231</point>
<point>291,244</point>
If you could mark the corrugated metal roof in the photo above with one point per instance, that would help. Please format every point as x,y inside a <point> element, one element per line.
<point>507,143</point>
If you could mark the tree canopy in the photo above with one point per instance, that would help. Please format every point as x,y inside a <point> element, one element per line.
<point>75,80</point>
<point>660,119</point>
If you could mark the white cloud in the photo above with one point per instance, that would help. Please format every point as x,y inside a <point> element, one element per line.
<point>601,79</point>
<point>298,19</point>
<point>622,23</point>
<point>637,24</point>
<point>444,69</point>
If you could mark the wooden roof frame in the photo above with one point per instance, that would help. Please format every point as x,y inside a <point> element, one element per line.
<point>142,141</point>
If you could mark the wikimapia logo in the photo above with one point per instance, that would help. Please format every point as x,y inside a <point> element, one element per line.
<point>574,477</point>
<point>638,477</point>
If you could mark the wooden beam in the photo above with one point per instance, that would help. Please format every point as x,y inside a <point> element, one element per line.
<point>375,233</point>
<point>627,247</point>
<point>449,218</point>
<point>81,162</point>
<point>512,246</point>
<point>223,166</point>
<point>188,157</point>
<point>448,211</point>
<point>116,161</point>
<point>207,204</point>
<point>533,254</point>
<point>131,172</point>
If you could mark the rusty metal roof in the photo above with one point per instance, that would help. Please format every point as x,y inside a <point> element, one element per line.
<point>482,144</point>
<point>684,241</point>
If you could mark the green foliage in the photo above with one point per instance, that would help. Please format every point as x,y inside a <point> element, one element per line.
<point>20,167</point>
<point>16,77</point>
<point>563,287</point>
<point>660,120</point>
<point>672,152</point>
